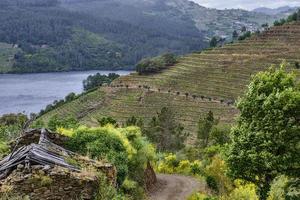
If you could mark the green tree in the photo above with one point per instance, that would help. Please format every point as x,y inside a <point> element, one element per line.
<point>266,140</point>
<point>205,126</point>
<point>166,132</point>
<point>97,80</point>
<point>107,120</point>
<point>244,29</point>
<point>235,35</point>
<point>213,42</point>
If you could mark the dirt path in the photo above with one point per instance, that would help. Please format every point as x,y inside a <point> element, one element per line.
<point>175,187</point>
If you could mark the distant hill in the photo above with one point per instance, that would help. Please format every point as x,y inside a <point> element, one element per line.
<point>276,11</point>
<point>199,83</point>
<point>64,35</point>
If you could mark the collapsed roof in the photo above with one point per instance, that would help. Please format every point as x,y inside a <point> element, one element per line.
<point>45,153</point>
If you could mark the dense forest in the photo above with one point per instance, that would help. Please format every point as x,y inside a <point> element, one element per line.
<point>53,38</point>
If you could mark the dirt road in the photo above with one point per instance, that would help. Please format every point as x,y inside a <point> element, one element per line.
<point>175,187</point>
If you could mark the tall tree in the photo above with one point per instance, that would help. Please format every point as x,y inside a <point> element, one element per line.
<point>235,35</point>
<point>205,126</point>
<point>266,139</point>
<point>166,132</point>
<point>213,42</point>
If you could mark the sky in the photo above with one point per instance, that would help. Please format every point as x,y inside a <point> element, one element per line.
<point>247,4</point>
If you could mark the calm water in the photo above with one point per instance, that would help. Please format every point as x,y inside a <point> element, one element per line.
<point>32,92</point>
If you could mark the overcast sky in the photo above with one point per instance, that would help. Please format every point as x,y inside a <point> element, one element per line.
<point>247,4</point>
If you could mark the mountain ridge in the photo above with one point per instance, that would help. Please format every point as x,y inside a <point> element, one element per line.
<point>116,34</point>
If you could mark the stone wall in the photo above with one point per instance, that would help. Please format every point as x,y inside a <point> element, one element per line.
<point>43,182</point>
<point>33,136</point>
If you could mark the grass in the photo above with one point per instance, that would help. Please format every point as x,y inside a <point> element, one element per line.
<point>218,75</point>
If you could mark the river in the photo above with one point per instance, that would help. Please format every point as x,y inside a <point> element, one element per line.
<point>28,93</point>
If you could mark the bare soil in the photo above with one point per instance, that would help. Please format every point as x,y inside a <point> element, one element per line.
<point>175,187</point>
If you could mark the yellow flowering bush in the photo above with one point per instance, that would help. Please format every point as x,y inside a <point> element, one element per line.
<point>242,191</point>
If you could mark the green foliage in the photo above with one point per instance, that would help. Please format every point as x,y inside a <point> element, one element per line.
<point>242,191</point>
<point>156,64</point>
<point>106,191</point>
<point>245,35</point>
<point>213,42</point>
<point>235,35</point>
<point>11,126</point>
<point>166,132</point>
<point>56,122</point>
<point>292,18</point>
<point>200,196</point>
<point>220,134</point>
<point>265,141</point>
<point>13,119</point>
<point>212,183</point>
<point>217,169</point>
<point>204,128</point>
<point>133,189</point>
<point>107,120</point>
<point>59,38</point>
<point>284,188</point>
<point>4,149</point>
<point>171,164</point>
<point>123,147</point>
<point>97,80</point>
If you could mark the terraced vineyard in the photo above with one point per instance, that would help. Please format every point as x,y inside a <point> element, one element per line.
<point>211,80</point>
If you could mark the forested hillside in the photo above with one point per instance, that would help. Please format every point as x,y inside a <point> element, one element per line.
<point>64,35</point>
<point>53,38</point>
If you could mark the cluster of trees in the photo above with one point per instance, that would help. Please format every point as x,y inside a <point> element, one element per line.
<point>294,17</point>
<point>156,64</point>
<point>217,41</point>
<point>97,80</point>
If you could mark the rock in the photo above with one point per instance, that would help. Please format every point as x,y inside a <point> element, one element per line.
<point>46,168</point>
<point>20,167</point>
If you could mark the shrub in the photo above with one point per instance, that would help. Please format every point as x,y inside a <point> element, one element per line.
<point>107,120</point>
<point>94,81</point>
<point>283,188</point>
<point>212,183</point>
<point>196,168</point>
<point>156,64</point>
<point>245,36</point>
<point>243,192</point>
<point>4,149</point>
<point>123,147</point>
<point>133,189</point>
<point>105,190</point>
<point>218,169</point>
<point>56,122</point>
<point>277,191</point>
<point>200,196</point>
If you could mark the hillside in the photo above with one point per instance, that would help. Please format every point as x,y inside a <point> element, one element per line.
<point>200,82</point>
<point>275,11</point>
<point>64,35</point>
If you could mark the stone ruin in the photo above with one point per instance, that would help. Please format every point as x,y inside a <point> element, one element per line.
<point>40,168</point>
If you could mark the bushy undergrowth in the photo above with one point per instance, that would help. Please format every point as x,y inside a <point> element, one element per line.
<point>126,148</point>
<point>156,64</point>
